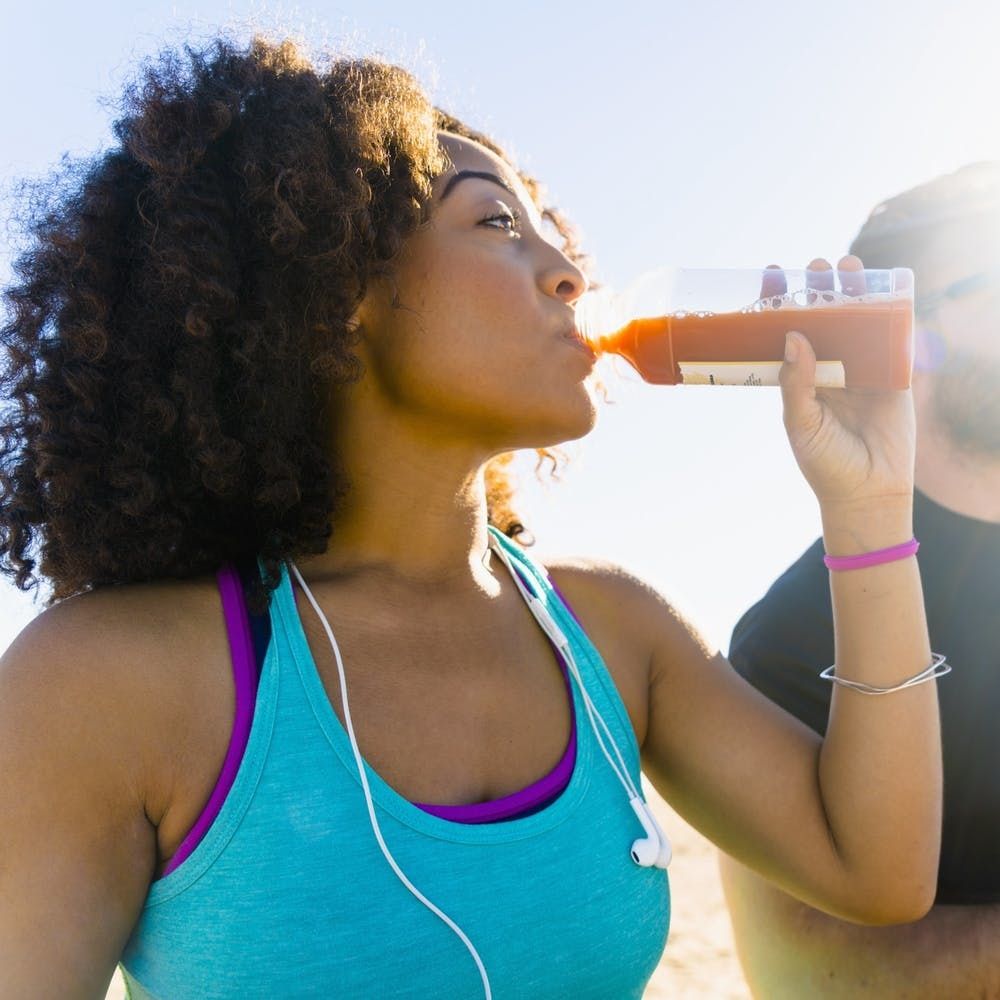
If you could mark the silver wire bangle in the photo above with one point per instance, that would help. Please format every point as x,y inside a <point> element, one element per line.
<point>938,668</point>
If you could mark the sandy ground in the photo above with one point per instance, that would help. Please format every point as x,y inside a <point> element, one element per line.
<point>699,963</point>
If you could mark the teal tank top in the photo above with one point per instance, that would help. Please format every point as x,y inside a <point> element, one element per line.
<point>288,895</point>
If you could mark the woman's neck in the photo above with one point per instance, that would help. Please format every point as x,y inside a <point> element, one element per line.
<point>415,510</point>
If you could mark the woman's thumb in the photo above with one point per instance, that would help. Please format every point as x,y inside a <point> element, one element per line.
<point>798,383</point>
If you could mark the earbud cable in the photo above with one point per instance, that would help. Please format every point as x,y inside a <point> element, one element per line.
<point>544,618</point>
<point>549,625</point>
<point>368,795</point>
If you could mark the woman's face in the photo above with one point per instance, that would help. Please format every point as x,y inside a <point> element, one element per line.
<point>473,338</point>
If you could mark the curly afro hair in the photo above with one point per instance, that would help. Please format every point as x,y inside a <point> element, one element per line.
<point>184,305</point>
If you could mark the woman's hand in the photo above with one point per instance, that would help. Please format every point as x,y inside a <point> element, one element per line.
<point>854,446</point>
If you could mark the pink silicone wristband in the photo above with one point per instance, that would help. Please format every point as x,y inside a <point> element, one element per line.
<point>876,558</point>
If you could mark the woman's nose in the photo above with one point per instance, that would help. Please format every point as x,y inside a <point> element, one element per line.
<point>562,279</point>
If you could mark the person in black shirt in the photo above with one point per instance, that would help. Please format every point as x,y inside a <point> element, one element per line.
<point>948,231</point>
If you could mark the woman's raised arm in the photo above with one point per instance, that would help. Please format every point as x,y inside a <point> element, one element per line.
<point>851,824</point>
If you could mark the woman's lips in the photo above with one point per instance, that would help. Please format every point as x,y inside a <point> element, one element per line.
<point>574,338</point>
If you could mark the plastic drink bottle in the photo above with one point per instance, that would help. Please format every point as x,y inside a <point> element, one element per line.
<point>728,326</point>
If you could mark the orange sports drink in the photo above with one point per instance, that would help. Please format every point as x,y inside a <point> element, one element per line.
<point>728,326</point>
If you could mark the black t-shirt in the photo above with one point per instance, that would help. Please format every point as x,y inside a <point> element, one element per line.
<point>784,641</point>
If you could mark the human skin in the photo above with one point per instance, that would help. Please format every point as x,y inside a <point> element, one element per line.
<point>788,949</point>
<point>468,352</point>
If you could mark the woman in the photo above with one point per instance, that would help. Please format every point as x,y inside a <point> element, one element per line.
<point>267,360</point>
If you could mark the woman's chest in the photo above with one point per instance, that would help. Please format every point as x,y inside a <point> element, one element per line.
<point>449,718</point>
<point>443,715</point>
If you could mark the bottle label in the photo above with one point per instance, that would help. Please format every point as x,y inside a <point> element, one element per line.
<point>829,374</point>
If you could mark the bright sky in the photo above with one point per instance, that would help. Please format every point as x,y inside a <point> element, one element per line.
<point>716,133</point>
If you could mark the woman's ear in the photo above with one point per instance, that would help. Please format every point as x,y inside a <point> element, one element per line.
<point>372,313</point>
<point>364,320</point>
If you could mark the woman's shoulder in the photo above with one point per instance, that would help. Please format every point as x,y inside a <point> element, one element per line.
<point>109,635</point>
<point>617,610</point>
<point>607,583</point>
<point>616,597</point>
<point>634,626</point>
<point>126,669</point>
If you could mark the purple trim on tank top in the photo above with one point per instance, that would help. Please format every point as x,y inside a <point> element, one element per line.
<point>526,800</point>
<point>537,795</point>
<point>515,806</point>
<point>245,676</point>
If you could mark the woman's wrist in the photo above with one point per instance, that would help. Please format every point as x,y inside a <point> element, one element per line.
<point>856,528</point>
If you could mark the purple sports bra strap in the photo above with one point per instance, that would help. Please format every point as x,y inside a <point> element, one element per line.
<point>245,676</point>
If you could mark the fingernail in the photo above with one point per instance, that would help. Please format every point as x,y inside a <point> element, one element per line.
<point>791,347</point>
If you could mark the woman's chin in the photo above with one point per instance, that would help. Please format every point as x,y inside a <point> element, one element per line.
<point>570,426</point>
<point>588,421</point>
<point>588,410</point>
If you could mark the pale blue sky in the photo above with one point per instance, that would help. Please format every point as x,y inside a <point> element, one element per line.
<point>710,133</point>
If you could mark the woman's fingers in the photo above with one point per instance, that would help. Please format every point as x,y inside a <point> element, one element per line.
<point>852,275</point>
<point>773,282</point>
<point>819,275</point>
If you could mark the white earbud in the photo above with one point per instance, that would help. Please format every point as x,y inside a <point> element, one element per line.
<point>653,850</point>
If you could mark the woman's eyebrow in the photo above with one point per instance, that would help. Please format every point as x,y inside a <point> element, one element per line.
<point>481,175</point>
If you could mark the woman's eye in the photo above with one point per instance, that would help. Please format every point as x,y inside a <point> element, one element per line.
<point>508,221</point>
